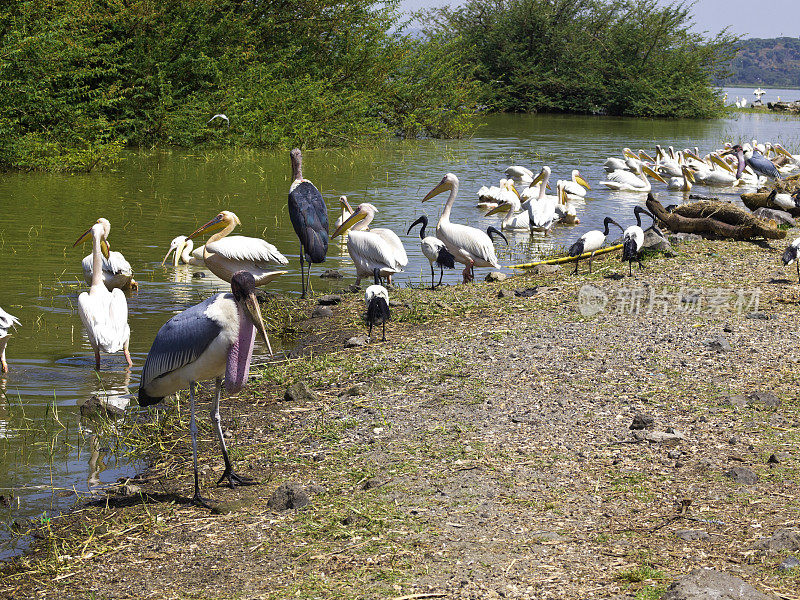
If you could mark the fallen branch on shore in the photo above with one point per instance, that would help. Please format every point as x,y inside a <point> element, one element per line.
<point>564,259</point>
<point>717,218</point>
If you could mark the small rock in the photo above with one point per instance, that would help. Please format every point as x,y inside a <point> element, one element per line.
<point>546,269</point>
<point>372,483</point>
<point>654,242</point>
<point>760,316</point>
<point>358,389</point>
<point>734,440</point>
<point>691,535</point>
<point>526,293</point>
<point>321,311</point>
<point>300,392</point>
<point>666,438</point>
<point>719,343</point>
<point>199,275</point>
<point>674,454</point>
<point>738,401</point>
<point>781,217</point>
<point>129,489</point>
<point>505,294</point>
<point>742,475</point>
<point>353,288</point>
<point>790,562</point>
<point>496,276</point>
<point>642,421</point>
<point>777,457</point>
<point>765,399</point>
<point>783,540</point>
<point>356,341</point>
<point>329,299</point>
<point>331,274</point>
<point>288,495</point>
<point>316,489</point>
<point>113,406</point>
<point>708,584</point>
<point>683,238</point>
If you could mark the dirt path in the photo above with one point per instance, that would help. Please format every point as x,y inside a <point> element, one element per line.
<point>485,451</point>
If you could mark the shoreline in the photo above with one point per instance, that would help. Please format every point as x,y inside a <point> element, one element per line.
<point>483,450</point>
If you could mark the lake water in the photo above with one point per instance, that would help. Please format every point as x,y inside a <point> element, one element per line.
<point>47,449</point>
<point>772,94</point>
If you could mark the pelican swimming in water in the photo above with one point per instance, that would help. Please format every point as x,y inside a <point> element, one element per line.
<point>309,217</point>
<point>682,183</point>
<point>208,340</point>
<point>185,252</point>
<point>224,256</point>
<point>434,250</point>
<point>379,248</point>
<point>7,321</point>
<point>632,181</point>
<point>514,219</point>
<point>468,245</point>
<point>104,313</point>
<point>576,185</point>
<point>117,272</point>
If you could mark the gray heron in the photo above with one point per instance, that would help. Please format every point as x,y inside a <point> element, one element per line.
<point>104,313</point>
<point>206,341</point>
<point>309,217</point>
<point>468,245</point>
<point>7,321</point>
<point>224,256</point>
<point>591,241</point>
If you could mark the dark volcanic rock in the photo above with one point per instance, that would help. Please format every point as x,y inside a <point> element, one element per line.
<point>331,274</point>
<point>765,399</point>
<point>742,475</point>
<point>783,540</point>
<point>691,535</point>
<point>708,584</point>
<point>300,392</point>
<point>321,311</point>
<point>790,562</point>
<point>329,299</point>
<point>505,294</point>
<point>288,495</point>
<point>199,275</point>
<point>655,242</point>
<point>526,293</point>
<point>719,343</point>
<point>642,421</point>
<point>781,217</point>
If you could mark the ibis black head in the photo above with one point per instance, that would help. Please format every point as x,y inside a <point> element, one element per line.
<point>639,211</point>
<point>424,220</point>
<point>242,285</point>
<point>297,164</point>
<point>608,221</point>
<point>492,231</point>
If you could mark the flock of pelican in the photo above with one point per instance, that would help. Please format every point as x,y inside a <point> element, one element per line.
<point>215,339</point>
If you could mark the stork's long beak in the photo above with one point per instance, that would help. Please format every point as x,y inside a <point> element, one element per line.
<point>254,313</point>
<point>352,220</point>
<point>214,225</point>
<point>441,187</point>
<point>583,182</point>
<point>652,174</point>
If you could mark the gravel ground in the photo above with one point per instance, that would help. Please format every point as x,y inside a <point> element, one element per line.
<point>485,450</point>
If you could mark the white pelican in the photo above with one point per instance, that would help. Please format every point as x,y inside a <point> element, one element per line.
<point>104,313</point>
<point>591,241</point>
<point>542,210</point>
<point>522,176</point>
<point>577,185</point>
<point>204,342</point>
<point>117,272</point>
<point>496,195</point>
<point>790,256</point>
<point>667,163</point>
<point>619,164</point>
<point>633,238</point>
<point>379,248</point>
<point>627,181</point>
<point>792,158</point>
<point>7,321</point>
<point>683,183</point>
<point>224,256</point>
<point>185,251</point>
<point>376,298</point>
<point>715,171</point>
<point>468,245</point>
<point>514,219</point>
<point>434,250</point>
<point>346,209</point>
<point>309,217</point>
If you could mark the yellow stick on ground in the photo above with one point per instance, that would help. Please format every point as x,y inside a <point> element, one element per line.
<point>564,259</point>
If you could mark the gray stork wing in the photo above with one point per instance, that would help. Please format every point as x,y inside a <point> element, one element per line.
<point>179,342</point>
<point>764,166</point>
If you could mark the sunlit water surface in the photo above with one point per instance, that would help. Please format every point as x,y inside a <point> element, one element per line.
<point>47,451</point>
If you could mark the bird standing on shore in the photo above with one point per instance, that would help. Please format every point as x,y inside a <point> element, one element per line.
<point>7,321</point>
<point>633,239</point>
<point>790,256</point>
<point>591,241</point>
<point>104,313</point>
<point>434,250</point>
<point>376,298</point>
<point>204,342</point>
<point>309,217</point>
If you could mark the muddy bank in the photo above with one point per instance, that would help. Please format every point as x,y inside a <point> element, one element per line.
<point>486,450</point>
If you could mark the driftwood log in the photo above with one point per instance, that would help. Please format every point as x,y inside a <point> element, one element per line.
<point>716,218</point>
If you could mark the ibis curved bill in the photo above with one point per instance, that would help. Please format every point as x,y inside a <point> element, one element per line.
<point>206,341</point>
<point>224,256</point>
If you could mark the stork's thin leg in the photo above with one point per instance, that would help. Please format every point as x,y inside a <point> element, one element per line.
<point>233,478</point>
<point>197,498</point>
<point>308,278</point>
<point>369,335</point>
<point>441,274</point>
<point>302,274</point>
<point>639,260</point>
<point>97,359</point>
<point>433,277</point>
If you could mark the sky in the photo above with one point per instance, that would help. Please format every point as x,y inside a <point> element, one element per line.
<point>748,18</point>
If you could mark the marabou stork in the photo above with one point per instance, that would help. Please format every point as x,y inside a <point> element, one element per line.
<point>224,256</point>
<point>7,321</point>
<point>376,298</point>
<point>760,164</point>
<point>591,241</point>
<point>204,342</point>
<point>104,313</point>
<point>309,217</point>
<point>468,245</point>
<point>117,272</point>
<point>434,250</point>
<point>633,238</point>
